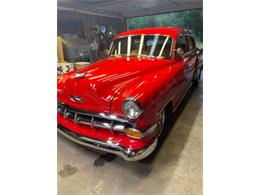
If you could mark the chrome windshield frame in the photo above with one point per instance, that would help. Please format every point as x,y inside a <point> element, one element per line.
<point>139,53</point>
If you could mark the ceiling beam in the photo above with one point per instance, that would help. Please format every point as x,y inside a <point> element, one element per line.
<point>88,12</point>
<point>111,2</point>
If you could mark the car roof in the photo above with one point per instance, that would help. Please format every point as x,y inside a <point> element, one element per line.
<point>170,31</point>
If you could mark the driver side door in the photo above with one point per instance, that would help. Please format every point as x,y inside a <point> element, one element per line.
<point>182,68</point>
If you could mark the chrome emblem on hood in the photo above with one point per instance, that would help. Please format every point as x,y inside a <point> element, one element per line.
<point>76,99</point>
<point>78,75</point>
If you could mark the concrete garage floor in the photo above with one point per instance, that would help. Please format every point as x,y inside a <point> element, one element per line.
<point>176,168</point>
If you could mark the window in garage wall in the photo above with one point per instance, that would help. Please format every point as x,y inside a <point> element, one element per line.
<point>190,19</point>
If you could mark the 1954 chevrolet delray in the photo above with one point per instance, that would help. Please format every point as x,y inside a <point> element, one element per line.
<point>118,105</point>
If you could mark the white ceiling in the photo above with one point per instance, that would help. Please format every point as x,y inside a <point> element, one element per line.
<point>128,8</point>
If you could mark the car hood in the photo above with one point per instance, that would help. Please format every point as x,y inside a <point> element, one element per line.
<point>98,84</point>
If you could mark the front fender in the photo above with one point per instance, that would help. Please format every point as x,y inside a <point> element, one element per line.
<point>152,91</point>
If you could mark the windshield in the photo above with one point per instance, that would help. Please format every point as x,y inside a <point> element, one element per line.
<point>158,46</point>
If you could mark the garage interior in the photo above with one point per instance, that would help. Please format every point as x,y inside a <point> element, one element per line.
<point>176,166</point>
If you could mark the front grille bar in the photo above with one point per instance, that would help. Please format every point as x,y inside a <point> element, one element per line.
<point>75,118</point>
<point>94,120</point>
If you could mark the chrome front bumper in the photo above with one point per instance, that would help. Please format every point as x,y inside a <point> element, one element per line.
<point>108,146</point>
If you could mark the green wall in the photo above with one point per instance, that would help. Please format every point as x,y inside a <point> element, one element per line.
<point>190,19</point>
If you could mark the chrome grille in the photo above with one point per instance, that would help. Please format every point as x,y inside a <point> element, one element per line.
<point>94,120</point>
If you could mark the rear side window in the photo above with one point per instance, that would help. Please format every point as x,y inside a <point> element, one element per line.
<point>182,43</point>
<point>191,43</point>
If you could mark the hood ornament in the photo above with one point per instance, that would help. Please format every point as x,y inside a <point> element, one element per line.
<point>76,99</point>
<point>78,75</point>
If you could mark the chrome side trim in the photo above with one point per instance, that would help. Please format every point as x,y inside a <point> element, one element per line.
<point>108,146</point>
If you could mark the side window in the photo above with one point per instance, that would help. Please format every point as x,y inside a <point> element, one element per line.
<point>181,45</point>
<point>187,37</point>
<point>192,43</point>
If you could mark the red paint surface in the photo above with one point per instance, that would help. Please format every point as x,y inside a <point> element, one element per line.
<point>107,83</point>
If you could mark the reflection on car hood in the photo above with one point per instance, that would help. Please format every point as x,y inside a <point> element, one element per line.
<point>99,83</point>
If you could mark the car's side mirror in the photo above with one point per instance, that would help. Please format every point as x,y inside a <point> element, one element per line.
<point>178,53</point>
<point>198,50</point>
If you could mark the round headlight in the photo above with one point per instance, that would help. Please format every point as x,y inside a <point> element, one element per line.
<point>131,109</point>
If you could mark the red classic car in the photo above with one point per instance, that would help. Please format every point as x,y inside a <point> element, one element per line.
<point>118,105</point>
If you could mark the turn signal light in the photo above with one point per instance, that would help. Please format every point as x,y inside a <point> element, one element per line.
<point>134,133</point>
